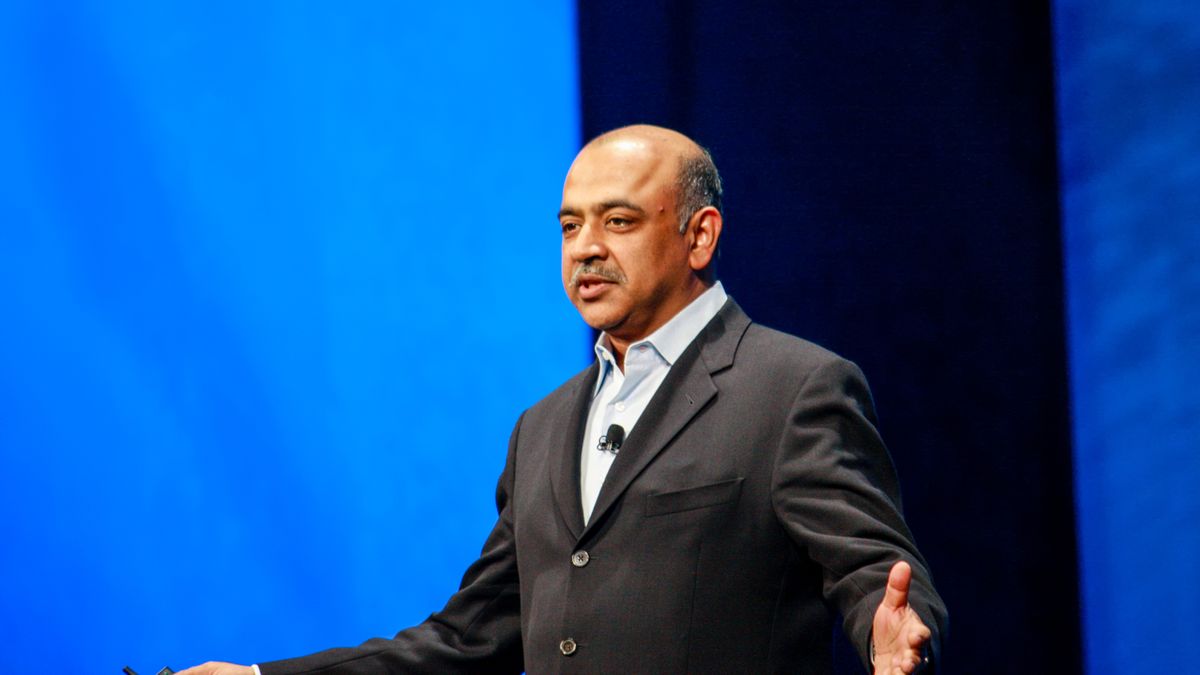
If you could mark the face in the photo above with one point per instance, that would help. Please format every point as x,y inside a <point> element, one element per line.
<point>625,265</point>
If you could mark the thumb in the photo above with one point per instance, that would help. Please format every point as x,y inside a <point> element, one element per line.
<point>899,578</point>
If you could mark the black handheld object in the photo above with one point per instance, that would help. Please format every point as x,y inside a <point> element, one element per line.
<point>611,441</point>
<point>130,671</point>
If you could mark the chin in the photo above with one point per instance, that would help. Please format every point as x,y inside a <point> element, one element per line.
<point>599,319</point>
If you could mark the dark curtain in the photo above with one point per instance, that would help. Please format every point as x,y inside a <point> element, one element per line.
<point>891,193</point>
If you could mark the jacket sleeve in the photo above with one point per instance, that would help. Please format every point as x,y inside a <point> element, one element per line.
<point>836,493</point>
<point>478,631</point>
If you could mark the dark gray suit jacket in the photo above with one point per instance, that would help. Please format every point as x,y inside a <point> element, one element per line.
<point>752,501</point>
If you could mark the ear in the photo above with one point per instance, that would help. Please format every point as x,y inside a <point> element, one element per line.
<point>704,231</point>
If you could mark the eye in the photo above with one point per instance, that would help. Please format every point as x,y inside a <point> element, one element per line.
<point>617,222</point>
<point>569,227</point>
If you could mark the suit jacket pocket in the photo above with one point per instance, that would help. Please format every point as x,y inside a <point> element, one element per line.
<point>693,498</point>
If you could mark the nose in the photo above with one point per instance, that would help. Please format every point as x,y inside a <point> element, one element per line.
<point>587,244</point>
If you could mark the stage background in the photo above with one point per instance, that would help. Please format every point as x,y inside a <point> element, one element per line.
<point>1129,114</point>
<point>892,195</point>
<point>277,280</point>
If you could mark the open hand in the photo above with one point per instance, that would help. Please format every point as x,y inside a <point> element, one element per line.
<point>898,633</point>
<point>217,668</point>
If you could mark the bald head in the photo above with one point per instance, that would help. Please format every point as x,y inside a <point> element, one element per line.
<point>648,133</point>
<point>638,244</point>
<point>697,183</point>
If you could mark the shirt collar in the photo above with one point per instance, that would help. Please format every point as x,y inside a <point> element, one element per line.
<point>674,336</point>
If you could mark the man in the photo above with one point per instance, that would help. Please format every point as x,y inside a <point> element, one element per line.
<point>751,493</point>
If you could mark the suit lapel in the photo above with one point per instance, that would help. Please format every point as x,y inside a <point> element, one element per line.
<point>564,464</point>
<point>687,389</point>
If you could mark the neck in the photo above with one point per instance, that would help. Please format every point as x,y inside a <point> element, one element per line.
<point>619,344</point>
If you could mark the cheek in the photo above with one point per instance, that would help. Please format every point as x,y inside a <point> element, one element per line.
<point>567,270</point>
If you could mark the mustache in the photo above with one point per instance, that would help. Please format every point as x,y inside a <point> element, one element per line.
<point>612,274</point>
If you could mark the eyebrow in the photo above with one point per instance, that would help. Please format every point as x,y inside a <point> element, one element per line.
<point>604,206</point>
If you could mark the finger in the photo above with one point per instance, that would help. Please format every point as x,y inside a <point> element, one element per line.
<point>899,578</point>
<point>904,663</point>
<point>918,635</point>
<point>207,668</point>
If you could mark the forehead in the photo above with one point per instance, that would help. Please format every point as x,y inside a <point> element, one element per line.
<point>620,169</point>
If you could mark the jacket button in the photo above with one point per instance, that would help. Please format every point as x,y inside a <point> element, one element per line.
<point>567,647</point>
<point>580,558</point>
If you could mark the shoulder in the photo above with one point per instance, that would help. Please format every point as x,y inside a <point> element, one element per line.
<point>569,389</point>
<point>770,348</point>
<point>560,403</point>
<point>800,369</point>
<point>735,348</point>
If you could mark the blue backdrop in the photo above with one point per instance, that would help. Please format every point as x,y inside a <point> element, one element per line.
<point>1129,125</point>
<point>278,279</point>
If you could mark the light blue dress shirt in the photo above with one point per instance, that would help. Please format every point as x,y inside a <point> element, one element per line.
<point>621,397</point>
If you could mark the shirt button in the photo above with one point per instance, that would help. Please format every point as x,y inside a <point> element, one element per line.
<point>567,647</point>
<point>620,407</point>
<point>580,558</point>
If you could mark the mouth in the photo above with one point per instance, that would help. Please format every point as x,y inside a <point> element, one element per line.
<point>592,286</point>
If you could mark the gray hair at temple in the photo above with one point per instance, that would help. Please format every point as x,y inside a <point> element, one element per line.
<point>699,186</point>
